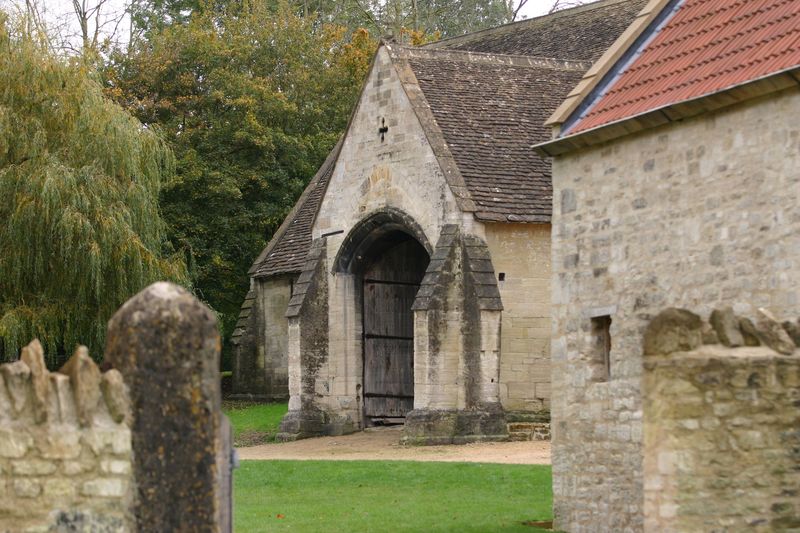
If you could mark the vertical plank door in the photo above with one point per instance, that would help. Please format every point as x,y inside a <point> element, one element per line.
<point>388,348</point>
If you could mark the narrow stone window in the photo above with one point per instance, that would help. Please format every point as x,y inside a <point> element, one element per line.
<point>601,348</point>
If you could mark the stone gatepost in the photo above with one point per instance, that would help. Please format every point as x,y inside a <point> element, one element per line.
<point>166,344</point>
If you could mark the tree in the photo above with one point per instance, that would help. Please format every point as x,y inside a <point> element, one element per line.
<point>80,228</point>
<point>446,18</point>
<point>251,98</point>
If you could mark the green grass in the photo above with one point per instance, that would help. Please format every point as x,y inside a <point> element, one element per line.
<point>389,496</point>
<point>254,423</point>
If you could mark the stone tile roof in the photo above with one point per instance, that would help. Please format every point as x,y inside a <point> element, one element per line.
<point>581,33</point>
<point>286,251</point>
<point>477,265</point>
<point>244,316</point>
<point>489,110</point>
<point>703,46</point>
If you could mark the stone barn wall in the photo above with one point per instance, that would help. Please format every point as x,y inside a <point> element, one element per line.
<point>697,214</point>
<point>273,295</point>
<point>65,447</point>
<point>521,252</point>
<point>722,440</point>
<point>260,342</point>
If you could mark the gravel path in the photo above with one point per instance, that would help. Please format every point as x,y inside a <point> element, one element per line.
<point>383,443</point>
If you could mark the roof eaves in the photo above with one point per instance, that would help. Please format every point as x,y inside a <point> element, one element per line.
<point>600,71</point>
<point>734,94</point>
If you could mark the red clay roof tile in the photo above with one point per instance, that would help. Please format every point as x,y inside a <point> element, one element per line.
<point>704,47</point>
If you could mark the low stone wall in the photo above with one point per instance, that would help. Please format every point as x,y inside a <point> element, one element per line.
<point>721,423</point>
<point>65,446</point>
<point>523,425</point>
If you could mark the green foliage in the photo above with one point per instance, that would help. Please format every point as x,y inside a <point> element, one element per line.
<point>397,496</point>
<point>151,16</point>
<point>251,98</point>
<point>254,423</point>
<point>446,18</point>
<point>451,18</point>
<point>80,228</point>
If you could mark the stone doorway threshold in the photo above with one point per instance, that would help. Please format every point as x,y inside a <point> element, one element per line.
<point>383,444</point>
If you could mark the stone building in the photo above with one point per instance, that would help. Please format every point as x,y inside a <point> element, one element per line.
<point>411,281</point>
<point>676,178</point>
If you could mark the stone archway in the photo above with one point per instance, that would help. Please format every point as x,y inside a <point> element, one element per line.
<point>387,258</point>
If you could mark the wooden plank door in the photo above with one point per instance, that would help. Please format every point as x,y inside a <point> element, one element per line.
<point>388,348</point>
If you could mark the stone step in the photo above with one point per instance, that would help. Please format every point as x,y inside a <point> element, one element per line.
<point>519,436</point>
<point>521,431</point>
<point>521,426</point>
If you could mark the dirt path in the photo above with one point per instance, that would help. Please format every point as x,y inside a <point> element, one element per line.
<point>384,444</point>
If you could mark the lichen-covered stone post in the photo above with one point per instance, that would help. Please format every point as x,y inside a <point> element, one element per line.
<point>166,344</point>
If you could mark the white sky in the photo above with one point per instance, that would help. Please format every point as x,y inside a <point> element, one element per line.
<point>60,12</point>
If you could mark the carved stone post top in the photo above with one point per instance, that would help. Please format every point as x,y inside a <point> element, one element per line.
<point>166,344</point>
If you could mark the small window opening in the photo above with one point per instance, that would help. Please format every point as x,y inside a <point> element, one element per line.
<point>501,276</point>
<point>601,348</point>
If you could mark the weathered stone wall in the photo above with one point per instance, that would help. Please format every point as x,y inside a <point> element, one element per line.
<point>722,440</point>
<point>260,361</point>
<point>457,315</point>
<point>401,172</point>
<point>273,295</point>
<point>721,424</point>
<point>249,378</point>
<point>65,447</point>
<point>522,253</point>
<point>697,214</point>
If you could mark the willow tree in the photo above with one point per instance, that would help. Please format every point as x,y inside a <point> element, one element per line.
<point>80,228</point>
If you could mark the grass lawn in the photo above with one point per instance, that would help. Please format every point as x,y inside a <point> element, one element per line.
<point>254,423</point>
<point>389,496</point>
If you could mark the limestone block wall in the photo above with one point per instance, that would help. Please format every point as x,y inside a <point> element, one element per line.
<point>400,171</point>
<point>696,214</point>
<point>248,362</point>
<point>521,252</point>
<point>260,341</point>
<point>273,295</point>
<point>65,447</point>
<point>722,440</point>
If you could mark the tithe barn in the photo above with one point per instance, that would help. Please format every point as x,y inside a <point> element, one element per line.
<point>411,282</point>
